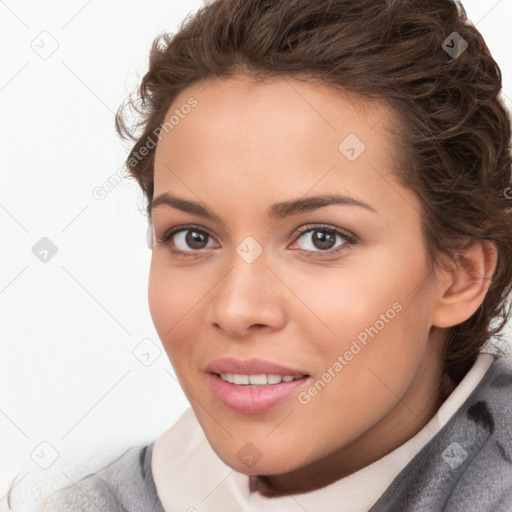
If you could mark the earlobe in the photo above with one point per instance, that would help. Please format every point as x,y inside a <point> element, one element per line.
<point>463,288</point>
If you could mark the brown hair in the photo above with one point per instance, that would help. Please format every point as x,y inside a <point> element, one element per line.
<point>455,132</point>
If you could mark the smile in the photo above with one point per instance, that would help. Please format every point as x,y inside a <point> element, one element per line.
<point>257,380</point>
<point>252,394</point>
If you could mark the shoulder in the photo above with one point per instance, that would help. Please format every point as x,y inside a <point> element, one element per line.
<point>484,439</point>
<point>468,463</point>
<point>490,405</point>
<point>490,408</point>
<point>124,485</point>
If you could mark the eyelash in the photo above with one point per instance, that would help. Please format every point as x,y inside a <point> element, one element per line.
<point>349,239</point>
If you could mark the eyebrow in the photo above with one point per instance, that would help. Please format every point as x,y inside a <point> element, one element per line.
<point>277,210</point>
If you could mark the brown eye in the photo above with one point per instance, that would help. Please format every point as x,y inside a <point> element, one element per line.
<point>195,239</point>
<point>189,239</point>
<point>186,241</point>
<point>323,239</point>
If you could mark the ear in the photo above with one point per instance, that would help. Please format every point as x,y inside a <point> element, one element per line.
<point>462,289</point>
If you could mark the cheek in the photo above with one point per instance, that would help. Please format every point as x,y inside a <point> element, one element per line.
<point>343,305</point>
<point>375,318</point>
<point>160,299</point>
<point>171,297</point>
<point>172,291</point>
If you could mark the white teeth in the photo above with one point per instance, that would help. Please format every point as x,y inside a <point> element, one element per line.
<point>256,380</point>
<point>241,379</point>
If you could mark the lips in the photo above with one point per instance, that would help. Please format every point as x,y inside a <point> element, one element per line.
<point>252,366</point>
<point>253,399</point>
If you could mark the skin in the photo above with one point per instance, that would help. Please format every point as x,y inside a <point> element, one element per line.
<point>242,148</point>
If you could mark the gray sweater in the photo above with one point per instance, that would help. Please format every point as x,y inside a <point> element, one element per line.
<point>465,467</point>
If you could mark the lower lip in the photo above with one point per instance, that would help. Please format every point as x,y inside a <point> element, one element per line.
<point>250,400</point>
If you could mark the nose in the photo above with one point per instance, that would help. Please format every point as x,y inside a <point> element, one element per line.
<point>248,299</point>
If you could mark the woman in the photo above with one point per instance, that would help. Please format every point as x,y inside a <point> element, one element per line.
<point>328,196</point>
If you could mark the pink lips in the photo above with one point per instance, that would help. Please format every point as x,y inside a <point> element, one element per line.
<point>253,366</point>
<point>248,399</point>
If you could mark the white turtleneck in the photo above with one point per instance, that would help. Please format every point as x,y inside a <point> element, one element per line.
<point>189,476</point>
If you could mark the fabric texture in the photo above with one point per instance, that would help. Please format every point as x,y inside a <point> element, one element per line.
<point>124,485</point>
<point>468,465</point>
<point>465,467</point>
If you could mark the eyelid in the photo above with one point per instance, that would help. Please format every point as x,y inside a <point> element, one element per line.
<point>351,238</point>
<point>180,227</point>
<point>165,238</point>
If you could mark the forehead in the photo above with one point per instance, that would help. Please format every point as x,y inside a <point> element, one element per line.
<point>240,99</point>
<point>276,135</point>
<point>280,112</point>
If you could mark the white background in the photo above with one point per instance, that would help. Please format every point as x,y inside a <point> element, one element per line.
<point>68,327</point>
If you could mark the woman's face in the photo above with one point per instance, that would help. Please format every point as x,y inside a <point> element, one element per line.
<point>339,292</point>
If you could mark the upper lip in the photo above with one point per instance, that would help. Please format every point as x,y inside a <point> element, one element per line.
<point>253,366</point>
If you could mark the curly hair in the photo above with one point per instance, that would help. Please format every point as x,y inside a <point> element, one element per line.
<point>424,58</point>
